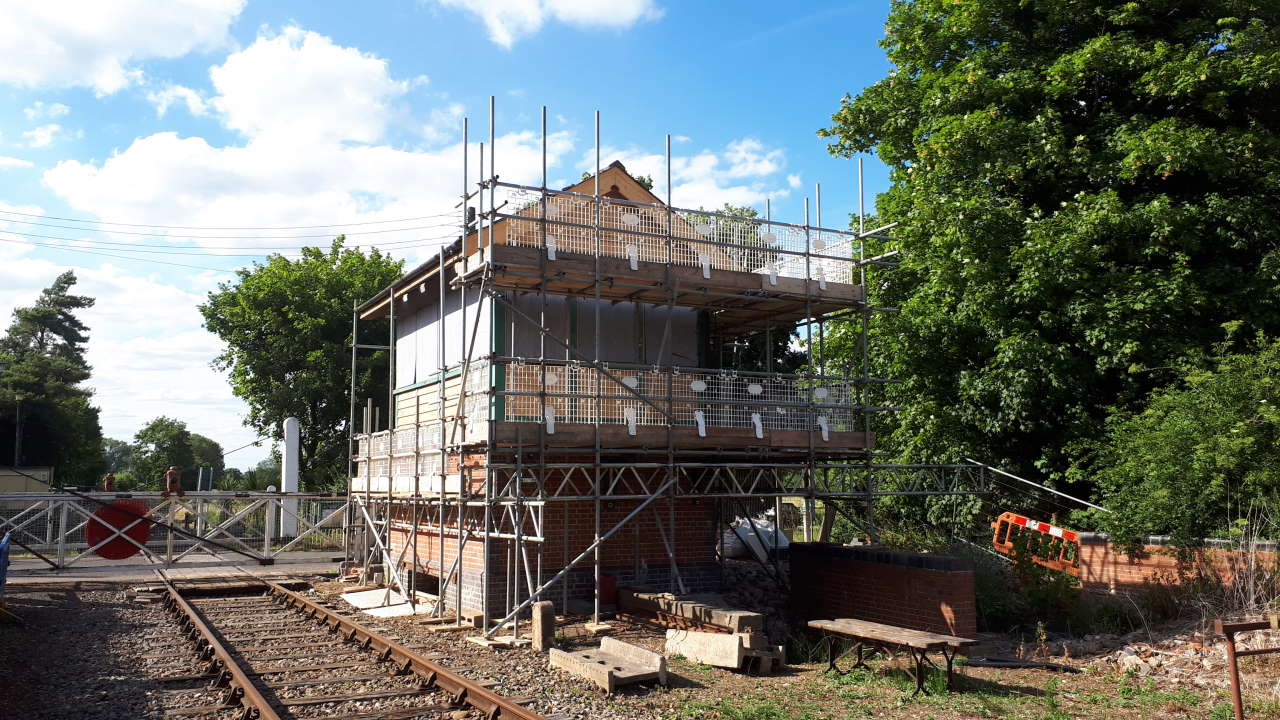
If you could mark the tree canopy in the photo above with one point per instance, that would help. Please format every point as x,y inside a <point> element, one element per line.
<point>1086,192</point>
<point>287,328</point>
<point>158,445</point>
<point>43,402</point>
<point>1197,455</point>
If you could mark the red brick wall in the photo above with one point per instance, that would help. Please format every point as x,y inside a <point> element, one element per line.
<point>1104,567</point>
<point>922,592</point>
<point>693,539</point>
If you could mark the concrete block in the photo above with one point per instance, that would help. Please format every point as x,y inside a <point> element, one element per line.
<point>750,652</point>
<point>614,663</point>
<point>544,625</point>
<point>705,609</point>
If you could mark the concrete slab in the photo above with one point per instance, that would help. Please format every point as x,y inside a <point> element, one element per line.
<point>388,603</point>
<point>614,663</point>
<point>705,609</point>
<point>749,652</point>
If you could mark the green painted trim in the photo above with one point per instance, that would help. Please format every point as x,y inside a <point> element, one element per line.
<point>430,381</point>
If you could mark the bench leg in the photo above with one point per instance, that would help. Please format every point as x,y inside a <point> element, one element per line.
<point>950,655</point>
<point>861,662</point>
<point>917,659</point>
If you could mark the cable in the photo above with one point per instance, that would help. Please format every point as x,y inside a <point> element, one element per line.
<point>119,257</point>
<point>217,227</point>
<point>181,249</point>
<point>234,237</point>
<point>255,442</point>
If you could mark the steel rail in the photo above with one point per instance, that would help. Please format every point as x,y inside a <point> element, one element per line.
<point>242,691</point>
<point>459,688</point>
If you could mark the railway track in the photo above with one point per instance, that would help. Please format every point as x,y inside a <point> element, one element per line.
<point>270,653</point>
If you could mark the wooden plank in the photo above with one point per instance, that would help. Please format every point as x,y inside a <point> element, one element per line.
<point>321,700</point>
<point>892,634</point>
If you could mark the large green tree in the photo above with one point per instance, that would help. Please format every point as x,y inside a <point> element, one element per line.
<point>207,453</point>
<point>1199,455</point>
<point>161,443</point>
<point>44,407</point>
<point>287,329</point>
<point>117,454</point>
<point>1087,193</point>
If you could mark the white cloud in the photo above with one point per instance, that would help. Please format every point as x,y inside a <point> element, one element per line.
<point>793,181</point>
<point>509,20</point>
<point>42,136</point>
<point>9,163</point>
<point>744,173</point>
<point>298,164</point>
<point>96,44</point>
<point>171,95</point>
<point>444,124</point>
<point>300,87</point>
<point>140,369</point>
<point>39,111</point>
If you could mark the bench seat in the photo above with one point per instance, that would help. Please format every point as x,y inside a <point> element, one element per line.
<point>918,643</point>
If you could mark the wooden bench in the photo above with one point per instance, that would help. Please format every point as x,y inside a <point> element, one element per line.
<point>918,643</point>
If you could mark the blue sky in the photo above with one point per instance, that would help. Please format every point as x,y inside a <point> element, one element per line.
<point>212,114</point>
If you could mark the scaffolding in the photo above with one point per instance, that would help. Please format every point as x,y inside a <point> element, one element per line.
<point>520,430</point>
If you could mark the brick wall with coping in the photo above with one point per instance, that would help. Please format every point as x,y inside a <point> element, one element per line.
<point>922,592</point>
<point>1103,566</point>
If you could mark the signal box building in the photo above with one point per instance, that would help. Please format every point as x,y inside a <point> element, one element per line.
<point>584,393</point>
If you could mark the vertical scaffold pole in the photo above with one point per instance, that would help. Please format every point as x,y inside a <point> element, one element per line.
<point>352,443</point>
<point>599,376</point>
<point>442,471</point>
<point>866,362</point>
<point>459,508</point>
<point>460,410</point>
<point>808,345</point>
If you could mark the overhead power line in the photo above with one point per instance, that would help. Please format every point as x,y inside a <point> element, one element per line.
<point>202,250</point>
<point>110,255</point>
<point>230,227</point>
<point>136,258</point>
<point>235,237</point>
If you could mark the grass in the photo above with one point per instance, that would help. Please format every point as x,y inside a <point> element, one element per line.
<point>749,710</point>
<point>884,691</point>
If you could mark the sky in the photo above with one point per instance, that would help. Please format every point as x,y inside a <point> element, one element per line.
<point>154,148</point>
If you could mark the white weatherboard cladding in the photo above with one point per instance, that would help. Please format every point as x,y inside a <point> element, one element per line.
<point>630,333</point>
<point>418,336</point>
<point>620,339</point>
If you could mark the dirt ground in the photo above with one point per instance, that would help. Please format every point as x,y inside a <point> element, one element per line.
<point>805,690</point>
<point>71,660</point>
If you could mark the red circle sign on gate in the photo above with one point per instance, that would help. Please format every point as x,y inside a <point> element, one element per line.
<point>117,516</point>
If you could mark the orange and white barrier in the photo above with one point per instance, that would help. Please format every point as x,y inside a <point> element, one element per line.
<point>1051,546</point>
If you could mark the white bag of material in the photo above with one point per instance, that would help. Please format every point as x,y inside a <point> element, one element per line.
<point>739,539</point>
<point>773,537</point>
<point>732,546</point>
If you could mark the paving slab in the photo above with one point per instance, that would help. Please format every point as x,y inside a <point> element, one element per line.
<point>612,664</point>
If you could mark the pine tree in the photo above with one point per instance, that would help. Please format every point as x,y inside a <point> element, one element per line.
<point>43,406</point>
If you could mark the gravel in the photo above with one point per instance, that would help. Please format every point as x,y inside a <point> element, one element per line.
<point>68,660</point>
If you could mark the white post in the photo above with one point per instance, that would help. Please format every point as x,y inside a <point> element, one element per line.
<point>289,478</point>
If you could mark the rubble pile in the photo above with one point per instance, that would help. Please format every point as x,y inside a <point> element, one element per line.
<point>749,586</point>
<point>1194,659</point>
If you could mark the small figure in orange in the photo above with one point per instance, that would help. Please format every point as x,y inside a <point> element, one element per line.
<point>172,482</point>
<point>109,483</point>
